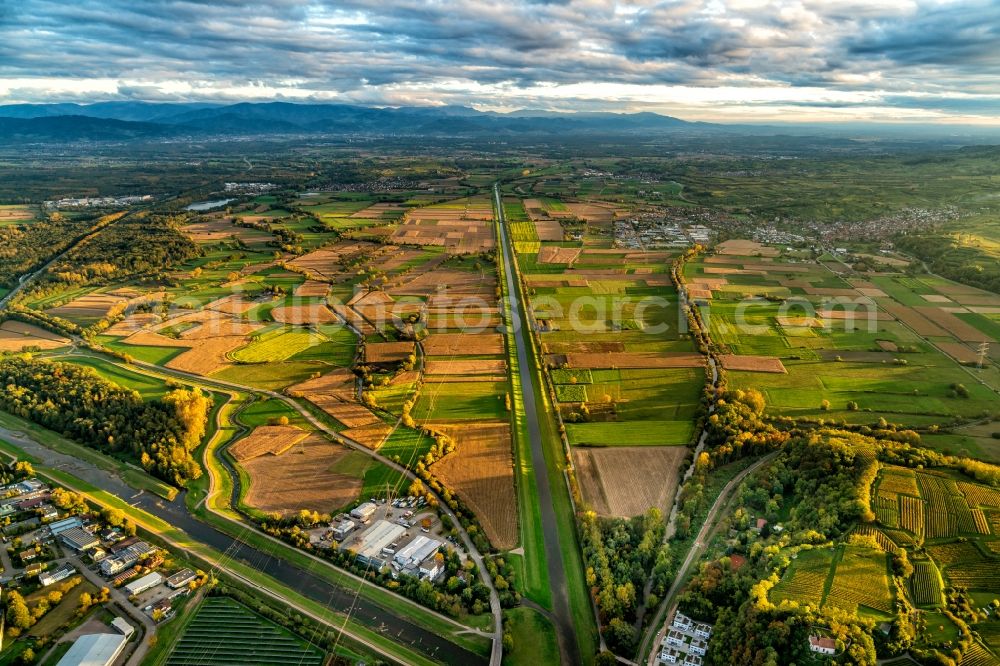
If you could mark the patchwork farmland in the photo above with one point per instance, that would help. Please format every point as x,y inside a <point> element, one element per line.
<point>822,342</point>
<point>624,373</point>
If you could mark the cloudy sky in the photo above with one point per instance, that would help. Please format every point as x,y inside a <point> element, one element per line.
<point>719,60</point>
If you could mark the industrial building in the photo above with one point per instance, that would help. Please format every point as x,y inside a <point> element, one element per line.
<point>373,540</point>
<point>180,579</point>
<point>59,526</point>
<point>63,572</point>
<point>125,557</point>
<point>94,650</point>
<point>123,627</point>
<point>412,554</point>
<point>147,582</point>
<point>79,539</point>
<point>344,528</point>
<point>364,512</point>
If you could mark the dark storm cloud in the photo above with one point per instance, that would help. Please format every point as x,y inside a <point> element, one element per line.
<point>386,51</point>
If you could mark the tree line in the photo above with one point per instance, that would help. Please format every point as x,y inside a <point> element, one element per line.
<point>159,434</point>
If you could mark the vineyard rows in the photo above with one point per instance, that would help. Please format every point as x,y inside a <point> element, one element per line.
<point>861,580</point>
<point>925,584</point>
<point>911,514</point>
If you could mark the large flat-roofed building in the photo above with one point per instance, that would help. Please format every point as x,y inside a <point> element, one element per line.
<point>63,572</point>
<point>147,582</point>
<point>365,511</point>
<point>415,552</point>
<point>79,539</point>
<point>180,579</point>
<point>59,526</point>
<point>94,650</point>
<point>374,539</point>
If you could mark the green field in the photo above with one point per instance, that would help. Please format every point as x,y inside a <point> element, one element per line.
<point>446,401</point>
<point>884,367</point>
<point>277,345</point>
<point>148,387</point>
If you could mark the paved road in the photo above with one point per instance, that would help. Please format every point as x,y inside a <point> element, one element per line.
<point>696,551</point>
<point>496,655</point>
<point>557,576</point>
<point>198,530</point>
<point>305,582</point>
<point>30,277</point>
<point>120,598</point>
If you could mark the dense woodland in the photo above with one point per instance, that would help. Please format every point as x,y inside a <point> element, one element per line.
<point>621,557</point>
<point>818,487</point>
<point>25,248</point>
<point>76,402</point>
<point>141,244</point>
<point>949,258</point>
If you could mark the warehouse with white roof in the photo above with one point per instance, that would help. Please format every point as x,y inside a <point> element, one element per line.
<point>370,544</point>
<point>94,650</point>
<point>415,552</point>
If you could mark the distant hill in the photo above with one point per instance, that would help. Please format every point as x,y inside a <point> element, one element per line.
<point>132,120</point>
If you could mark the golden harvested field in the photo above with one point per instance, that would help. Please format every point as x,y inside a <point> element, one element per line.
<point>558,255</point>
<point>635,360</point>
<point>234,305</point>
<point>373,297</point>
<point>594,213</point>
<point>338,383</point>
<point>311,288</point>
<point>481,472</point>
<point>215,229</point>
<point>457,344</point>
<point>134,322</point>
<point>387,352</point>
<point>959,351</point>
<point>475,367</point>
<point>752,363</point>
<point>312,313</point>
<point>454,282</point>
<point>205,324</point>
<point>150,339</point>
<point>746,248</point>
<point>10,214</point>
<point>353,319</point>
<point>457,236</point>
<point>91,306</point>
<point>270,439</point>
<point>351,414</point>
<point>208,355</point>
<point>333,261</point>
<point>861,314</point>
<point>977,299</point>
<point>372,436</point>
<point>214,335</point>
<point>626,481</point>
<point>912,318</point>
<point>958,328</point>
<point>548,230</point>
<point>15,336</point>
<point>300,478</point>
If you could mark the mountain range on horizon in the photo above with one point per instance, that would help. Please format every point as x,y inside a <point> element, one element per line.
<point>151,120</point>
<point>137,120</point>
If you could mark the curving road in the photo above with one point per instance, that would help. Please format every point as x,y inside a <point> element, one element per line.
<point>305,582</point>
<point>176,513</point>
<point>550,531</point>
<point>694,554</point>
